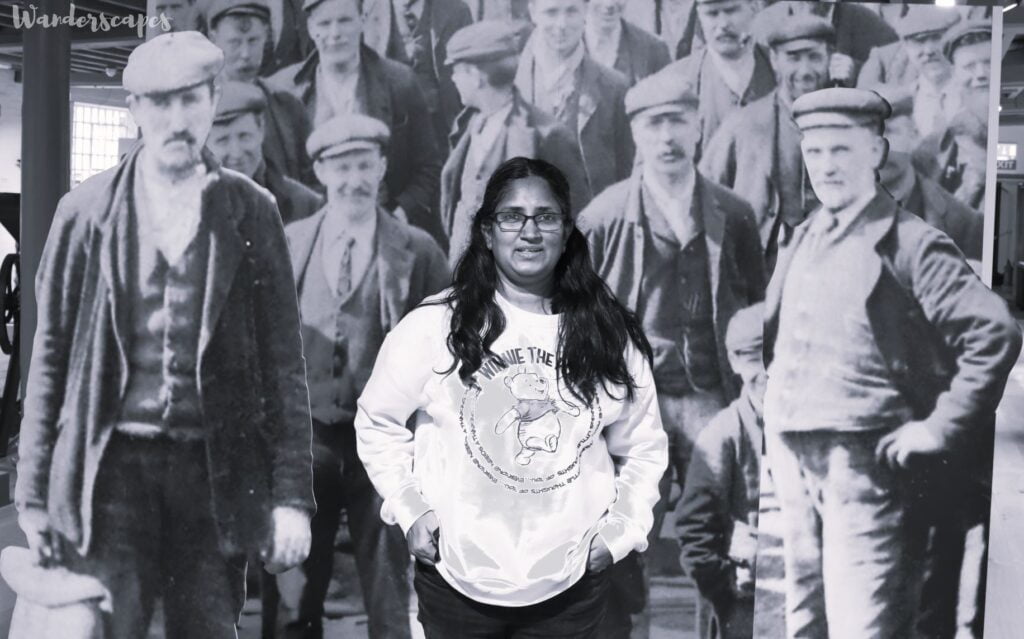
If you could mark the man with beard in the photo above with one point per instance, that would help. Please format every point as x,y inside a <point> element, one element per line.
<point>886,357</point>
<point>166,432</point>
<point>358,270</point>
<point>916,62</point>
<point>496,125</point>
<point>344,76</point>
<point>559,77</point>
<point>731,72</point>
<point>955,157</point>
<point>683,253</point>
<point>616,43</point>
<point>756,151</point>
<point>236,140</point>
<point>241,28</point>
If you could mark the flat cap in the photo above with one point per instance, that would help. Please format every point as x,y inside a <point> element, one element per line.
<point>218,9</point>
<point>840,107</point>
<point>482,42</point>
<point>344,133</point>
<point>746,329</point>
<point>964,29</point>
<point>662,89</point>
<point>924,19</point>
<point>172,62</point>
<point>779,24</point>
<point>237,98</point>
<point>309,5</point>
<point>900,99</point>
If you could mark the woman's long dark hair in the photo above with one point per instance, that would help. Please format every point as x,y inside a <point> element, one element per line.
<point>595,328</point>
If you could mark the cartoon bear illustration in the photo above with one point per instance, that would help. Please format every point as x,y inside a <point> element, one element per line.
<point>535,414</point>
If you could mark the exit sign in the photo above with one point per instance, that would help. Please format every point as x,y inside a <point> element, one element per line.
<point>1006,157</point>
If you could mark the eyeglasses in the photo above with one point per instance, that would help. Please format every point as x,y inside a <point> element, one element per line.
<point>512,221</point>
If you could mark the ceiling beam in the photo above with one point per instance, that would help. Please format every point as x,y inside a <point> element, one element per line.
<point>119,37</point>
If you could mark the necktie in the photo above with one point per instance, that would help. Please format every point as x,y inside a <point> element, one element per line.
<point>824,232</point>
<point>345,268</point>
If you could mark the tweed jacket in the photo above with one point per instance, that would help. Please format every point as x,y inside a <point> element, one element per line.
<point>948,340</point>
<point>528,132</point>
<point>286,128</point>
<point>887,64</point>
<point>722,488</point>
<point>640,53</point>
<point>615,226</point>
<point>295,201</point>
<point>250,371</point>
<point>443,19</point>
<point>410,265</point>
<point>743,156</point>
<point>698,70</point>
<point>605,139</point>
<point>392,96</point>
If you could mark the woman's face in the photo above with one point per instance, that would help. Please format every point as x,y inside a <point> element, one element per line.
<point>528,234</point>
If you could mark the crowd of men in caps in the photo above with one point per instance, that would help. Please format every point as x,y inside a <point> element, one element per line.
<point>413,104</point>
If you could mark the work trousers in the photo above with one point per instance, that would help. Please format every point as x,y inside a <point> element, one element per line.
<point>853,543</point>
<point>381,553</point>
<point>154,537</point>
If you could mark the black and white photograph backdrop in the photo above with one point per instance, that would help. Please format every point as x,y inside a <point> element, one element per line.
<point>225,411</point>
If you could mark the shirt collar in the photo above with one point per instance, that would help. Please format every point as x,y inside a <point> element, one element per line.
<point>553,72</point>
<point>593,40</point>
<point>337,227</point>
<point>844,217</point>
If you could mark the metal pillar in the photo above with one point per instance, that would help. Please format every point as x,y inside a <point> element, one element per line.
<point>45,151</point>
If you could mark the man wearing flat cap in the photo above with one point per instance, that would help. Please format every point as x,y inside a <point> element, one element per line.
<point>558,76</point>
<point>886,359</point>
<point>166,432</point>
<point>731,71</point>
<point>621,45</point>
<point>916,63</point>
<point>358,271</point>
<point>497,124</point>
<point>718,513</point>
<point>683,253</point>
<point>859,29</point>
<point>344,76</point>
<point>955,157</point>
<point>756,151</point>
<point>915,191</point>
<point>236,140</point>
<point>241,28</point>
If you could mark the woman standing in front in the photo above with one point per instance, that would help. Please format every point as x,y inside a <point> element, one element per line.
<point>538,444</point>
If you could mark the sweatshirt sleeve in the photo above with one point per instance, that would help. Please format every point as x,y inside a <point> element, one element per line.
<point>638,442</point>
<point>393,393</point>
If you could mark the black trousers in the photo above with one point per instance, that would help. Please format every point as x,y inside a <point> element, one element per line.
<point>446,613</point>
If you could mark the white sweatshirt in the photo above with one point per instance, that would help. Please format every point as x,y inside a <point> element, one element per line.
<point>520,474</point>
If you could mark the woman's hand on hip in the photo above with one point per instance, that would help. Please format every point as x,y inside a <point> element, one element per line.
<point>600,557</point>
<point>423,538</point>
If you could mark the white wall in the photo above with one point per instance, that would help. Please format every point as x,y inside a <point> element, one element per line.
<point>10,132</point>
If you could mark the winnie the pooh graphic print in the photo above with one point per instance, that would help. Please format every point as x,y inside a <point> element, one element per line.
<point>535,414</point>
<point>524,430</point>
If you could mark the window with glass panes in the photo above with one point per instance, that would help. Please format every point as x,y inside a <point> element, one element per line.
<point>95,131</point>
